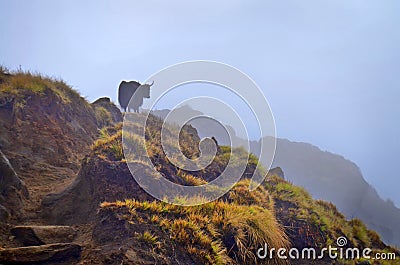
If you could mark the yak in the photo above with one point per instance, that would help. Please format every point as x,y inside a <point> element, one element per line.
<point>131,94</point>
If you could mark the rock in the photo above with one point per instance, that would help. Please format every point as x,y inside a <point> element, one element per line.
<point>110,227</point>
<point>116,115</point>
<point>277,171</point>
<point>101,101</point>
<point>99,180</point>
<point>4,214</point>
<point>8,177</point>
<point>41,235</point>
<point>131,255</point>
<point>45,254</point>
<point>39,130</point>
<point>12,189</point>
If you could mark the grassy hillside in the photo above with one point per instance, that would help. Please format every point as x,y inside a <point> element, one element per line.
<point>325,175</point>
<point>231,229</point>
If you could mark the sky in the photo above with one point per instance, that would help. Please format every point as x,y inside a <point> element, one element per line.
<point>329,69</point>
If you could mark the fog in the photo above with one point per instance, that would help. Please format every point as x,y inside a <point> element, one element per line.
<point>328,69</point>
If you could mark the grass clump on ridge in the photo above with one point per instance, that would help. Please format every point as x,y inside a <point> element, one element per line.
<point>18,82</point>
<point>109,143</point>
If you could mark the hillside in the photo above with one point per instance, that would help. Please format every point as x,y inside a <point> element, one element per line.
<point>80,205</point>
<point>211,233</point>
<point>46,128</point>
<point>325,175</point>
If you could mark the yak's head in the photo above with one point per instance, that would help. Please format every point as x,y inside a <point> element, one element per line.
<point>145,90</point>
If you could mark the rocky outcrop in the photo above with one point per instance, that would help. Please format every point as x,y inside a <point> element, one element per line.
<point>46,121</point>
<point>277,171</point>
<point>44,254</point>
<point>105,103</point>
<point>44,134</point>
<point>4,214</point>
<point>12,190</point>
<point>42,235</point>
<point>42,245</point>
<point>46,129</point>
<point>99,180</point>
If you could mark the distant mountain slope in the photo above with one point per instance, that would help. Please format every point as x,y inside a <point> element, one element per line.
<point>331,177</point>
<point>325,175</point>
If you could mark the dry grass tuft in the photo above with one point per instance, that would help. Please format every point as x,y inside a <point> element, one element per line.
<point>219,232</point>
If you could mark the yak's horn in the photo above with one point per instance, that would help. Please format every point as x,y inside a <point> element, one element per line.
<point>152,83</point>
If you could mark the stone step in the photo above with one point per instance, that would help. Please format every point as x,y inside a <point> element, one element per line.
<point>32,235</point>
<point>62,253</point>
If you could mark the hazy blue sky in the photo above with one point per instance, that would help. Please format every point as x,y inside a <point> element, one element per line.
<point>330,69</point>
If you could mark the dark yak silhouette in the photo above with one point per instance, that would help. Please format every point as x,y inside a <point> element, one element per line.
<point>131,94</point>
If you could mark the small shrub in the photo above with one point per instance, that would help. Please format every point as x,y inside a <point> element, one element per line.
<point>109,145</point>
<point>149,238</point>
